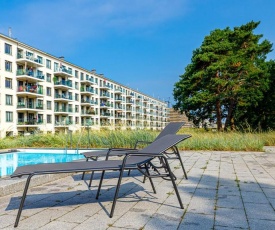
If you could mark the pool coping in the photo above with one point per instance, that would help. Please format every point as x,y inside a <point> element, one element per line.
<point>12,185</point>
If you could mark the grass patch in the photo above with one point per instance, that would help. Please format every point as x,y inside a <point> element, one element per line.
<point>200,140</point>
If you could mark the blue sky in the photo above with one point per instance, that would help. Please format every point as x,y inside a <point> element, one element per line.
<point>143,44</point>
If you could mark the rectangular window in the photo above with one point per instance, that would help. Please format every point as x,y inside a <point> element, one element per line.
<point>49,105</point>
<point>76,74</point>
<point>76,85</point>
<point>49,119</point>
<point>48,64</point>
<point>39,59</point>
<point>76,97</point>
<point>49,91</point>
<point>9,116</point>
<point>76,108</point>
<point>8,83</point>
<point>81,76</point>
<point>77,120</point>
<point>55,67</point>
<point>39,74</point>
<point>8,66</point>
<point>49,77</point>
<point>8,99</point>
<point>8,49</point>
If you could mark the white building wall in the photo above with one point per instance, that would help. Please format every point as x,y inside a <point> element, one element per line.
<point>101,102</point>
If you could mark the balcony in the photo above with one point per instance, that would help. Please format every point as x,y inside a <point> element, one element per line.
<point>63,72</point>
<point>29,75</point>
<point>30,60</point>
<point>62,111</point>
<point>105,86</point>
<point>85,113</point>
<point>118,91</point>
<point>63,97</point>
<point>118,108</point>
<point>118,99</point>
<point>129,101</point>
<point>31,91</point>
<point>86,102</point>
<point>103,104</point>
<point>88,81</point>
<point>22,106</point>
<point>86,91</point>
<point>105,95</point>
<point>29,122</point>
<point>63,85</point>
<point>105,114</point>
<point>63,123</point>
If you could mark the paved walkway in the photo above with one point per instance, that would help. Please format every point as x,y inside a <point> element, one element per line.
<point>225,190</point>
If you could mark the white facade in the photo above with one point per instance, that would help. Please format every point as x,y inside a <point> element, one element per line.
<point>40,92</point>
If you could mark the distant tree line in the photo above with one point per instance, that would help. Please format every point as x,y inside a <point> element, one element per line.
<point>229,82</point>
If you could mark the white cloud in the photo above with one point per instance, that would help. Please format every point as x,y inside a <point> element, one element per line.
<point>75,19</point>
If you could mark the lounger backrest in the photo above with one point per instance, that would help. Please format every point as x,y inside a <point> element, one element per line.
<point>171,128</point>
<point>163,143</point>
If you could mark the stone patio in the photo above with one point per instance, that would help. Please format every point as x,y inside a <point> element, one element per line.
<point>225,190</point>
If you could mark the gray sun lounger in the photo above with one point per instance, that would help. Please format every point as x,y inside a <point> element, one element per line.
<point>141,161</point>
<point>171,128</point>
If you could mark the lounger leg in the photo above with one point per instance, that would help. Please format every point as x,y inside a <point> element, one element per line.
<point>91,179</point>
<point>179,157</point>
<point>173,182</point>
<point>150,179</point>
<point>92,174</point>
<point>184,172</point>
<point>22,200</point>
<point>116,193</point>
<point>83,174</point>
<point>100,183</point>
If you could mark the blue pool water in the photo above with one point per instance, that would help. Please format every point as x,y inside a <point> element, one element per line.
<point>10,161</point>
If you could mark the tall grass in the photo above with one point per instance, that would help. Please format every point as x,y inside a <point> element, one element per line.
<point>200,140</point>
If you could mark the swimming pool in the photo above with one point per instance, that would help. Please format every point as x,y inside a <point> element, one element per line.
<point>10,161</point>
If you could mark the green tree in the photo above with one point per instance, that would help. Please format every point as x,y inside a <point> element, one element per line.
<point>226,75</point>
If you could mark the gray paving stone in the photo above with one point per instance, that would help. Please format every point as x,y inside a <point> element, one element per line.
<point>261,224</point>
<point>232,218</point>
<point>196,221</point>
<point>67,203</point>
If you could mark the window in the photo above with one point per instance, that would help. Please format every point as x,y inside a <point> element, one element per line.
<point>9,116</point>
<point>76,97</point>
<point>76,108</point>
<point>8,83</point>
<point>49,77</point>
<point>49,105</point>
<point>77,120</point>
<point>55,67</point>
<point>8,66</point>
<point>81,76</point>
<point>8,49</point>
<point>76,74</point>
<point>48,64</point>
<point>49,119</point>
<point>49,91</point>
<point>39,74</point>
<point>39,59</point>
<point>8,99</point>
<point>76,85</point>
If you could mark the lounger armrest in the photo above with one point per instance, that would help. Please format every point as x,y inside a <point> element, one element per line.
<point>144,142</point>
<point>144,154</point>
<point>120,149</point>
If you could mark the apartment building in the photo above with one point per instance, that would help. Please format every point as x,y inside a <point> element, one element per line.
<point>43,93</point>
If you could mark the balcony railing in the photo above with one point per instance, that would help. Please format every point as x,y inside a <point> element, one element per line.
<point>30,122</point>
<point>63,96</point>
<point>65,83</point>
<point>30,73</point>
<point>29,57</point>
